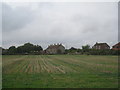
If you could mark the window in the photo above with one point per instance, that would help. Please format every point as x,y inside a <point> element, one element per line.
<point>99,47</point>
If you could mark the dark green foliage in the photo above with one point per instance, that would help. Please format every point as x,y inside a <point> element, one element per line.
<point>12,50</point>
<point>20,49</point>
<point>27,48</point>
<point>37,48</point>
<point>103,52</point>
<point>85,48</point>
<point>72,50</point>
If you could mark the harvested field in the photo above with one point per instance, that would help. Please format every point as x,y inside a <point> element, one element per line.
<point>60,71</point>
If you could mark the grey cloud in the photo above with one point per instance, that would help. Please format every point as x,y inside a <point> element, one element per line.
<point>73,24</point>
<point>15,18</point>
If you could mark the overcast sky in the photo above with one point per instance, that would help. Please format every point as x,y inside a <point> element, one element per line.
<point>72,24</point>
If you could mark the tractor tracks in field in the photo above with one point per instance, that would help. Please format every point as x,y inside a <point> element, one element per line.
<point>81,64</point>
<point>50,67</point>
<point>11,61</point>
<point>53,64</point>
<point>65,67</point>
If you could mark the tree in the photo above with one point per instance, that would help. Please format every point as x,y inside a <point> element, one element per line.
<point>12,50</point>
<point>38,48</point>
<point>29,48</point>
<point>20,50</point>
<point>72,48</point>
<point>86,48</point>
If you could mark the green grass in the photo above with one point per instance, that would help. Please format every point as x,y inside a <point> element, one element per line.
<point>60,71</point>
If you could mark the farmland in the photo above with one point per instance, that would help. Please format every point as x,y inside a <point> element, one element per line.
<point>59,71</point>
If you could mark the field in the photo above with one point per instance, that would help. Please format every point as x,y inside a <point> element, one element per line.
<point>59,71</point>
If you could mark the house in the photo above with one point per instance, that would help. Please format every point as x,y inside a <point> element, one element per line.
<point>55,49</point>
<point>116,46</point>
<point>101,46</point>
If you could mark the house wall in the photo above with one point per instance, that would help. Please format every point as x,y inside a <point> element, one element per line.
<point>56,50</point>
<point>101,47</point>
<point>51,51</point>
<point>62,49</point>
<point>116,48</point>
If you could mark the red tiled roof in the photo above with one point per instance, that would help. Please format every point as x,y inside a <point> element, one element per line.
<point>118,44</point>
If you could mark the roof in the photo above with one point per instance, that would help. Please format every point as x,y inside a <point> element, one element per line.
<point>101,44</point>
<point>118,44</point>
<point>54,46</point>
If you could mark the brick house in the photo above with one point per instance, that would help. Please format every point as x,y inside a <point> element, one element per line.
<point>101,46</point>
<point>116,46</point>
<point>55,49</point>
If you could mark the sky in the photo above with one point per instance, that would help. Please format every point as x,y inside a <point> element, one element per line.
<point>73,24</point>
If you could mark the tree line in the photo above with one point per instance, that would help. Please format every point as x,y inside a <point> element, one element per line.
<point>86,50</point>
<point>27,48</point>
<point>31,49</point>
